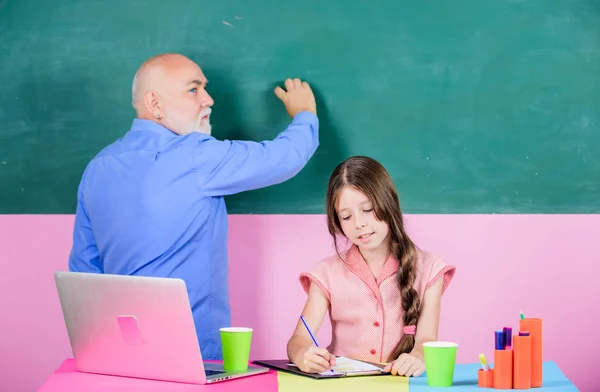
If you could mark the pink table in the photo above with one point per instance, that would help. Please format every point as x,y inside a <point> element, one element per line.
<point>66,379</point>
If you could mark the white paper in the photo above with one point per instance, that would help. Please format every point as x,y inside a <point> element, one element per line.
<point>345,365</point>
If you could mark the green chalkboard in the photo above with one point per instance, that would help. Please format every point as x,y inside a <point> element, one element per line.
<point>473,106</point>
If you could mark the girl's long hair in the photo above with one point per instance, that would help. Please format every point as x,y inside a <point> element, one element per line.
<point>372,179</point>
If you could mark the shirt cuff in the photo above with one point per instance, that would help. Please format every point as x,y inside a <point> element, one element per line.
<point>306,117</point>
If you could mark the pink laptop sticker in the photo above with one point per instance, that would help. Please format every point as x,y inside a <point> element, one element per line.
<point>130,332</point>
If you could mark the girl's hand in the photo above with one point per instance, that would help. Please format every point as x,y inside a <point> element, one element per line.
<point>409,365</point>
<point>316,360</point>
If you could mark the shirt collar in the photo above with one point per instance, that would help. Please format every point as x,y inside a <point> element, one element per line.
<point>358,265</point>
<point>140,124</point>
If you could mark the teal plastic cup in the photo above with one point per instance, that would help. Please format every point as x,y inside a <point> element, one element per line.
<point>440,358</point>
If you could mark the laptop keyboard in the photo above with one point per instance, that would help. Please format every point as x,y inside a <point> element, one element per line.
<point>213,372</point>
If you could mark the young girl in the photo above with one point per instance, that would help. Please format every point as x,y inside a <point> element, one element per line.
<point>383,294</point>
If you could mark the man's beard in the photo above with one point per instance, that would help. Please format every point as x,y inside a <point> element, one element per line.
<point>174,121</point>
<point>203,126</point>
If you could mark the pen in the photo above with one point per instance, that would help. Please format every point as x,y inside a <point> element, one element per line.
<point>311,334</point>
<point>309,331</point>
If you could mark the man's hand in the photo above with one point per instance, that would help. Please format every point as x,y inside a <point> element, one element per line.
<point>298,97</point>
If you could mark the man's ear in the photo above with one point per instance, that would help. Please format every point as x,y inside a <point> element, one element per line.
<point>152,103</point>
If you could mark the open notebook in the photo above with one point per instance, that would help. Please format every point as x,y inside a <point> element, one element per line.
<point>343,367</point>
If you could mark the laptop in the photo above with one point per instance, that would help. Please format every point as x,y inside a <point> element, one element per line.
<point>135,326</point>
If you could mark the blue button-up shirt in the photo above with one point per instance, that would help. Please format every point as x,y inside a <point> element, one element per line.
<point>152,204</point>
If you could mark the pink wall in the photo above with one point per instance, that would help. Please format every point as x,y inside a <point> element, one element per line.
<point>541,264</point>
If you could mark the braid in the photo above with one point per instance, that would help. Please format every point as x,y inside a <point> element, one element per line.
<point>404,250</point>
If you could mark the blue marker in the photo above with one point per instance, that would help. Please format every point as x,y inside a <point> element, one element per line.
<point>499,340</point>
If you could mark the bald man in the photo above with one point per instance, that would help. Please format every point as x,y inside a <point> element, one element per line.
<point>151,203</point>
